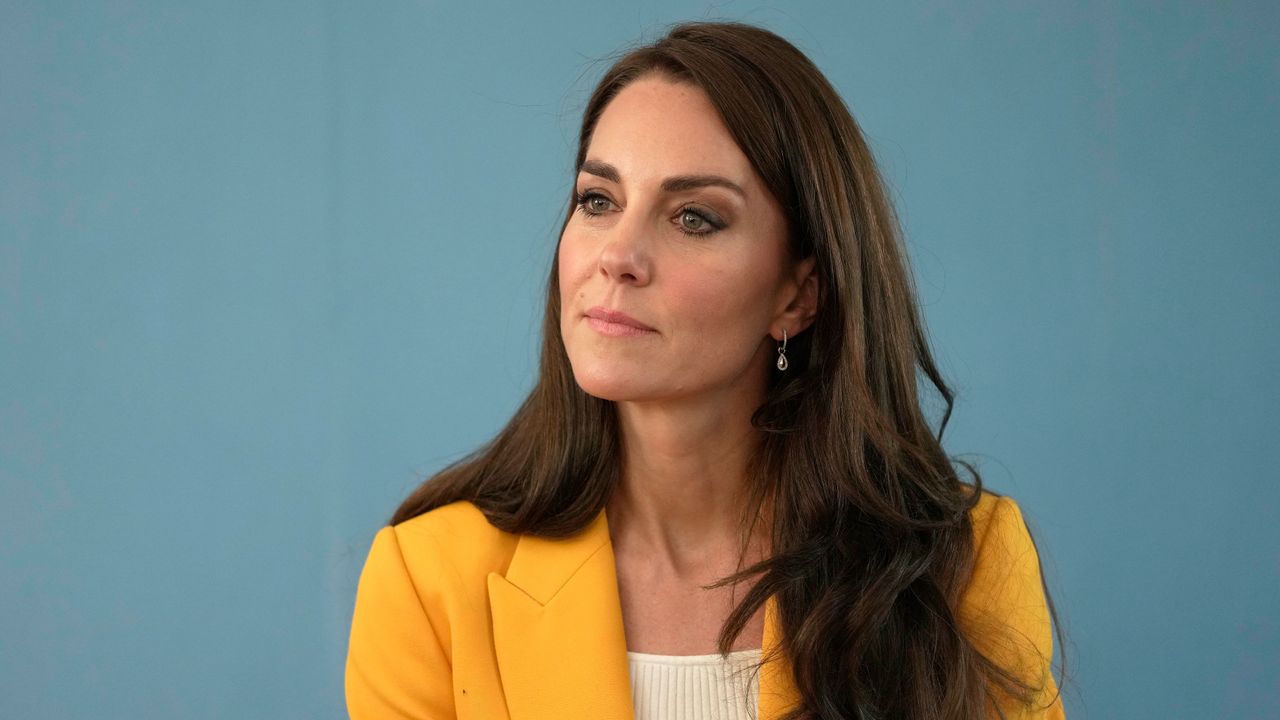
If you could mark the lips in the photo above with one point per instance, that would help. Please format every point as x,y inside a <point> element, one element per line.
<point>612,316</point>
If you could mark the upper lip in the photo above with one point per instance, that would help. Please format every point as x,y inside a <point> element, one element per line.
<point>614,316</point>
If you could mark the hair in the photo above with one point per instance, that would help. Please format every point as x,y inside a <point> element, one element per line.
<point>869,522</point>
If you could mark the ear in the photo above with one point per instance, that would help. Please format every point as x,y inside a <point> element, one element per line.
<point>801,297</point>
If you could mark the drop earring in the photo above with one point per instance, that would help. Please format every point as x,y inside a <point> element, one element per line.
<point>782,351</point>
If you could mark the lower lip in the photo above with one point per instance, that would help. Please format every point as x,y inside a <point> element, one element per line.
<point>604,327</point>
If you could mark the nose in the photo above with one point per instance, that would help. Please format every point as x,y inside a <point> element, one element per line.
<point>624,257</point>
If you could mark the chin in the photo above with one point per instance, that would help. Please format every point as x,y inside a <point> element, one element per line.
<point>611,384</point>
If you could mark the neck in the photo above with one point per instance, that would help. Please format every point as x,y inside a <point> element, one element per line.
<point>682,491</point>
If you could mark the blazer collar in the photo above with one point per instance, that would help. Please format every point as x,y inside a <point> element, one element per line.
<point>559,639</point>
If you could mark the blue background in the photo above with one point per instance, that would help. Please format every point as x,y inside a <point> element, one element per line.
<point>264,266</point>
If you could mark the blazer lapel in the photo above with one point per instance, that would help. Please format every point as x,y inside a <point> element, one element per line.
<point>559,639</point>
<point>557,629</point>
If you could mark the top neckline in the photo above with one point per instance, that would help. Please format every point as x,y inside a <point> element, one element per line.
<point>693,659</point>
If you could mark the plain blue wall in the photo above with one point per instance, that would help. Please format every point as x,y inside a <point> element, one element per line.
<point>264,266</point>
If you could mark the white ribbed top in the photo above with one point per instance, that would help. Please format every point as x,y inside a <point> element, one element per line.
<point>695,687</point>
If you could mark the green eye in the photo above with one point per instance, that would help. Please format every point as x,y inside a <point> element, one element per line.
<point>584,200</point>
<point>692,222</point>
<point>700,222</point>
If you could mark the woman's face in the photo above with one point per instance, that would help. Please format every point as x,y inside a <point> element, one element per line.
<point>714,297</point>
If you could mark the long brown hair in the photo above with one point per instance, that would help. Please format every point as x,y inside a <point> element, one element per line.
<point>871,537</point>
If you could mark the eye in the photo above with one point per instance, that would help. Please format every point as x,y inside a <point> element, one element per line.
<point>691,221</point>
<point>699,222</point>
<point>586,203</point>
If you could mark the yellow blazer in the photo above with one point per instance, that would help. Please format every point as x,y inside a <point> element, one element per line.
<point>457,619</point>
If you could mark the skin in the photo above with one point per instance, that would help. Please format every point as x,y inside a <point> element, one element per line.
<point>718,304</point>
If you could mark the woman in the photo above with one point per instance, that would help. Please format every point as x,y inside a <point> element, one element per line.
<point>724,465</point>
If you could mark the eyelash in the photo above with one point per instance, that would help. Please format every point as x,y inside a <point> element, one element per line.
<point>581,200</point>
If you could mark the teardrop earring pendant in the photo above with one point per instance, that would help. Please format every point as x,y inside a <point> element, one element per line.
<point>782,351</point>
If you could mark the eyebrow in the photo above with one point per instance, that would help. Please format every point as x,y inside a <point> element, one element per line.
<point>673,184</point>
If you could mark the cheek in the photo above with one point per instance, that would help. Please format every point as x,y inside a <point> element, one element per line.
<point>565,268</point>
<point>569,259</point>
<point>575,266</point>
<point>720,299</point>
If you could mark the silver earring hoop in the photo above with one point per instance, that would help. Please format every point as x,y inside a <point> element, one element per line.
<point>782,351</point>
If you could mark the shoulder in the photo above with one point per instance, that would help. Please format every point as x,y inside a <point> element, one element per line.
<point>456,522</point>
<point>1005,555</point>
<point>995,517</point>
<point>442,556</point>
<point>1004,605</point>
<point>457,538</point>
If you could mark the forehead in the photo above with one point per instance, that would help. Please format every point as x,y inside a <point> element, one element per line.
<point>655,127</point>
